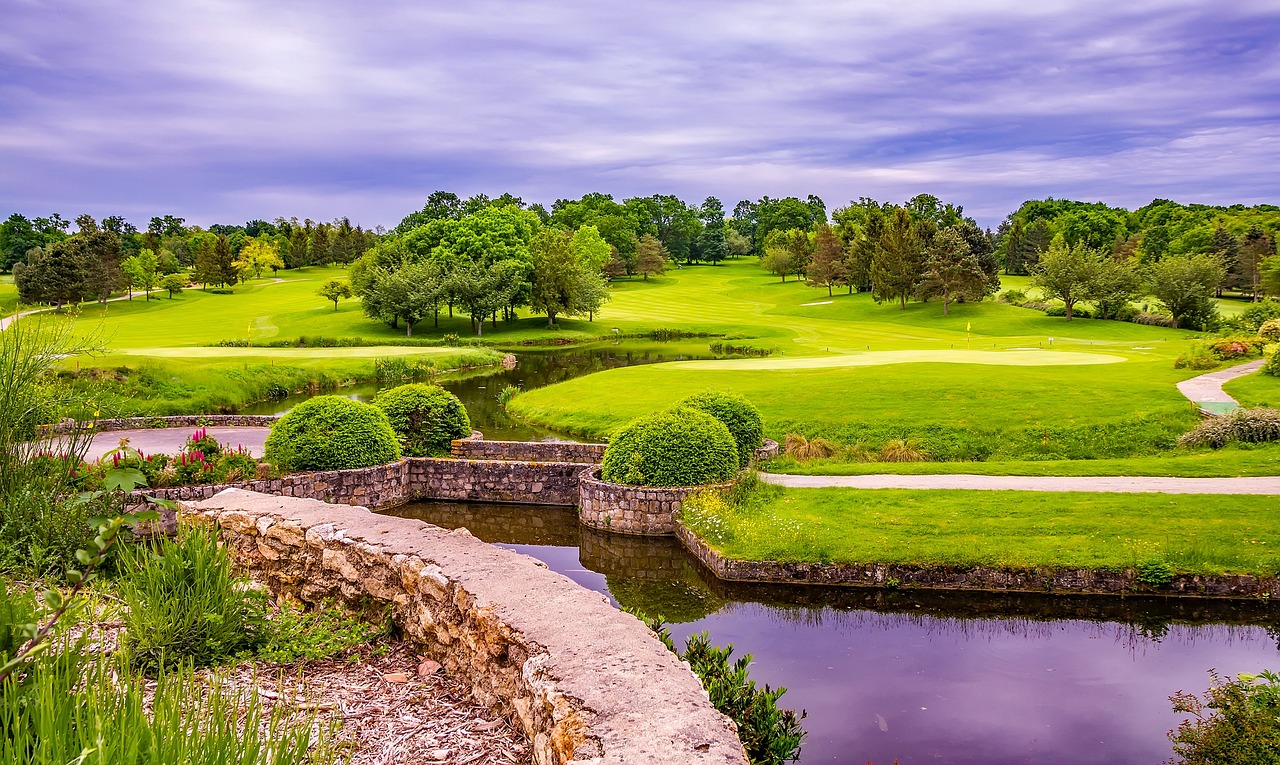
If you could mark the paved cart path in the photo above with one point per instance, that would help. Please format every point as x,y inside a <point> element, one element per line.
<point>1206,390</point>
<point>170,440</point>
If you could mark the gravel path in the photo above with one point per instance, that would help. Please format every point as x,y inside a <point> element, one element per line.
<point>1207,388</point>
<point>170,440</point>
<point>1134,485</point>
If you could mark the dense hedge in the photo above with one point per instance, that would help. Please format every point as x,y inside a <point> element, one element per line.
<point>332,433</point>
<point>676,447</point>
<point>426,418</point>
<point>738,415</point>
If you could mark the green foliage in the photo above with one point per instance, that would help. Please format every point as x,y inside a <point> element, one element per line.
<point>676,447</point>
<point>738,415</point>
<point>332,433</point>
<point>75,708</point>
<point>1257,425</point>
<point>294,634</point>
<point>1238,722</point>
<point>1154,572</point>
<point>1269,330</point>
<point>185,605</point>
<point>770,735</point>
<point>1229,348</point>
<point>40,533</point>
<point>1185,285</point>
<point>427,418</point>
<point>1198,356</point>
<point>1272,367</point>
<point>507,393</point>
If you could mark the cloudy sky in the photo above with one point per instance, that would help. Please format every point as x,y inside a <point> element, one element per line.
<point>225,110</point>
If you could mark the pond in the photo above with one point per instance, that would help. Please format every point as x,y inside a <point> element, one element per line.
<point>914,676</point>
<point>478,390</point>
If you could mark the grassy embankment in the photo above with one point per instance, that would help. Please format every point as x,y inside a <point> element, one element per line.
<point>157,360</point>
<point>1201,534</point>
<point>8,295</point>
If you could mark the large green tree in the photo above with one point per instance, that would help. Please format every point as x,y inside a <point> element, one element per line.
<point>897,259</point>
<point>1184,285</point>
<point>1064,272</point>
<point>951,271</point>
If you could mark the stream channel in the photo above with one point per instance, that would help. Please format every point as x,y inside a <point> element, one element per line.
<point>885,675</point>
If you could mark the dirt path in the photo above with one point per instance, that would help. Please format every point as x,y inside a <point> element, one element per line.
<point>1109,484</point>
<point>1206,390</point>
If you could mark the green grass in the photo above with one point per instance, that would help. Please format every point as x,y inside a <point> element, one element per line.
<point>1228,462</point>
<point>8,295</point>
<point>1256,389</point>
<point>1200,534</point>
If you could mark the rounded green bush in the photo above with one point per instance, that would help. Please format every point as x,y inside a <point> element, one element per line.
<point>739,415</point>
<point>426,418</point>
<point>676,447</point>
<point>332,433</point>
<point>1270,330</point>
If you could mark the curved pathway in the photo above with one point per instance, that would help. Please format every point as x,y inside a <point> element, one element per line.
<point>171,440</point>
<point>1110,484</point>
<point>1206,390</point>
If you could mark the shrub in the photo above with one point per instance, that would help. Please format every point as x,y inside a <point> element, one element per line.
<point>1258,314</point>
<point>1238,722</point>
<point>903,450</point>
<point>321,633</point>
<point>1078,312</point>
<point>738,415</point>
<point>222,291</point>
<point>1272,367</point>
<point>1270,329</point>
<point>331,433</point>
<point>676,447</point>
<point>185,605</point>
<point>1248,425</point>
<point>201,441</point>
<point>1127,312</point>
<point>1154,319</point>
<point>507,393</point>
<point>1229,348</point>
<point>427,418</point>
<point>802,449</point>
<point>1013,297</point>
<point>1198,356</point>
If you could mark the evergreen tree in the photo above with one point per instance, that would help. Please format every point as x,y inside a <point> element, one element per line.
<point>951,271</point>
<point>225,262</point>
<point>651,257</point>
<point>711,242</point>
<point>896,261</point>
<point>827,267</point>
<point>54,274</point>
<point>207,271</point>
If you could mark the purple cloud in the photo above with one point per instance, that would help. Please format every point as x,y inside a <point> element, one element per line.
<point>225,110</point>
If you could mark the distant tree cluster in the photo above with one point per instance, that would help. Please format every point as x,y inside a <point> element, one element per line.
<point>1182,255</point>
<point>921,250</point>
<point>55,267</point>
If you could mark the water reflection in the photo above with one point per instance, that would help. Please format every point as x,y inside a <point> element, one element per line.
<point>939,677</point>
<point>478,389</point>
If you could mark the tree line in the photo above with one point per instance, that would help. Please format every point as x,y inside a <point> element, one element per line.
<point>52,265</point>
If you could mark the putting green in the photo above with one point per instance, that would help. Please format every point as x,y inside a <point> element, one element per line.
<point>369,352</point>
<point>876,358</point>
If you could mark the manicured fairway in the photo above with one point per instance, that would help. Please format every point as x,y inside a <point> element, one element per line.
<point>1012,358</point>
<point>8,295</point>
<point>1192,533</point>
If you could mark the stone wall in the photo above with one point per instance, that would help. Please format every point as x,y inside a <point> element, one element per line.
<point>767,451</point>
<point>529,451</point>
<point>648,510</point>
<point>587,683</point>
<point>539,483</point>
<point>181,421</point>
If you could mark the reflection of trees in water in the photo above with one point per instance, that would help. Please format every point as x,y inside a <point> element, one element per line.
<point>675,602</point>
<point>1143,630</point>
<point>497,523</point>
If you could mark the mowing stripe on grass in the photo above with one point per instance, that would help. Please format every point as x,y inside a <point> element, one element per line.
<point>1018,358</point>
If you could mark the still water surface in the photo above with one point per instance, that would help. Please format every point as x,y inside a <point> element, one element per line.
<point>918,677</point>
<point>478,390</point>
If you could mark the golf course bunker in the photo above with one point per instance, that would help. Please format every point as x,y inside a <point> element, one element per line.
<point>1019,358</point>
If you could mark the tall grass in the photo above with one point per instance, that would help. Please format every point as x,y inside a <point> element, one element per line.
<point>185,604</point>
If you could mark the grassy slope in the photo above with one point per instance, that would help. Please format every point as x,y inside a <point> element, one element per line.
<point>875,402</point>
<point>1193,533</point>
<point>1255,390</point>
<point>8,295</point>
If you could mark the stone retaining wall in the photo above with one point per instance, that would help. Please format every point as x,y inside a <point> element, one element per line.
<point>648,510</point>
<point>588,684</point>
<point>413,478</point>
<point>529,451</point>
<point>180,421</point>
<point>1046,580</point>
<point>538,483</point>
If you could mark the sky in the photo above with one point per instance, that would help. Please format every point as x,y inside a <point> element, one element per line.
<point>221,111</point>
